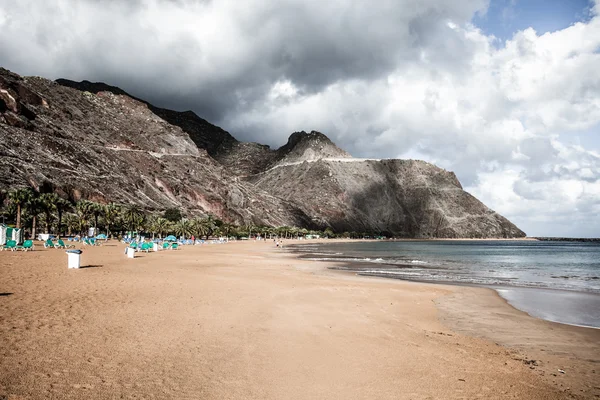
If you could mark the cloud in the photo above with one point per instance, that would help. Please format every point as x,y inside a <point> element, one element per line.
<point>406,78</point>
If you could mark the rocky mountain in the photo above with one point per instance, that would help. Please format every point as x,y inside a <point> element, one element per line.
<point>110,147</point>
<point>405,197</point>
<point>94,141</point>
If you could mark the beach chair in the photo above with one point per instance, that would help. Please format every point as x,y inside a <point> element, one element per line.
<point>10,245</point>
<point>174,246</point>
<point>166,245</point>
<point>146,247</point>
<point>63,245</point>
<point>133,245</point>
<point>27,245</point>
<point>48,244</point>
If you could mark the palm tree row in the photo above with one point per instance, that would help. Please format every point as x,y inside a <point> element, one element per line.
<point>28,209</point>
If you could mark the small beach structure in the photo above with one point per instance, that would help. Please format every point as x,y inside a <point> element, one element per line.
<point>9,233</point>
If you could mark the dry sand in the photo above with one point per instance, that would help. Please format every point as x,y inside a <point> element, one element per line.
<point>249,321</point>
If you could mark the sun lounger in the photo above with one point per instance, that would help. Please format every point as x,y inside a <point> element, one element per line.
<point>166,245</point>
<point>174,246</point>
<point>146,247</point>
<point>10,245</point>
<point>48,244</point>
<point>27,245</point>
<point>63,245</point>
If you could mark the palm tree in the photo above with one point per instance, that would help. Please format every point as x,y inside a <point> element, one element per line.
<point>227,229</point>
<point>133,216</point>
<point>33,207</point>
<point>111,213</point>
<point>249,227</point>
<point>283,231</point>
<point>210,225</point>
<point>160,225</point>
<point>84,212</point>
<point>72,222</point>
<point>20,197</point>
<point>62,205</point>
<point>3,198</point>
<point>182,227</point>
<point>97,209</point>
<point>199,227</point>
<point>48,205</point>
<point>151,224</point>
<point>268,231</point>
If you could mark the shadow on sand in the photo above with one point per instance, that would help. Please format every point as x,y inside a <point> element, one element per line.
<point>91,266</point>
<point>5,294</point>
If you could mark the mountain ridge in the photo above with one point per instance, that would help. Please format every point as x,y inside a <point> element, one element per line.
<point>99,142</point>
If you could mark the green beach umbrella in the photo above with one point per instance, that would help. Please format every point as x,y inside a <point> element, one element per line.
<point>170,238</point>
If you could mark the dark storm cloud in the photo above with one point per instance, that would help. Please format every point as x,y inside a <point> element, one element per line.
<point>221,57</point>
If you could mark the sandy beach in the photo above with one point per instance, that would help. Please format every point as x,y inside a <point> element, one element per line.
<point>246,320</point>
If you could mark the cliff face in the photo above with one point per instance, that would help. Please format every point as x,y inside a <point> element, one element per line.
<point>401,197</point>
<point>91,140</point>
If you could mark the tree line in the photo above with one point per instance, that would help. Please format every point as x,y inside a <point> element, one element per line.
<point>33,211</point>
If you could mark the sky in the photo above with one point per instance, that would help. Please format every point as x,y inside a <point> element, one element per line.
<point>505,93</point>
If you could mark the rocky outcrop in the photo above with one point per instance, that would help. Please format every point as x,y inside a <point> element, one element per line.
<point>204,134</point>
<point>94,141</point>
<point>251,158</point>
<point>16,101</point>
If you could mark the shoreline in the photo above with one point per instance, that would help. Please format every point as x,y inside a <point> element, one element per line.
<point>565,305</point>
<point>545,361</point>
<point>548,346</point>
<point>245,320</point>
<point>494,288</point>
<point>528,308</point>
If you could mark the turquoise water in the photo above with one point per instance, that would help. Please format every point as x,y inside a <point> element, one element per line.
<point>558,281</point>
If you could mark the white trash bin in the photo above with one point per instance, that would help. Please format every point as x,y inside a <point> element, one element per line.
<point>130,252</point>
<point>155,246</point>
<point>74,258</point>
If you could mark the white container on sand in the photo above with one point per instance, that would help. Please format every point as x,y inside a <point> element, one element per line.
<point>74,258</point>
<point>155,246</point>
<point>130,252</point>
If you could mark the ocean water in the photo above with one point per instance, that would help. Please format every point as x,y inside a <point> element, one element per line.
<point>557,281</point>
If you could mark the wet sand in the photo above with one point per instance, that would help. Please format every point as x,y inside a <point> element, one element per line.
<point>249,321</point>
<point>564,306</point>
